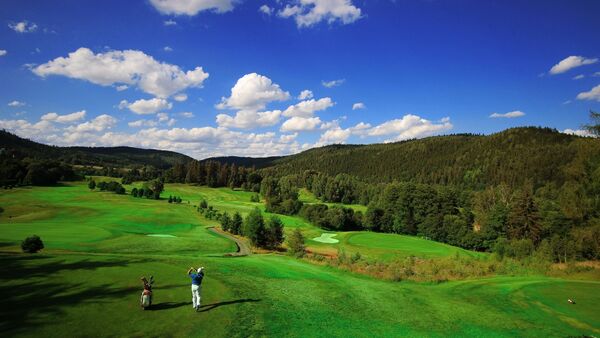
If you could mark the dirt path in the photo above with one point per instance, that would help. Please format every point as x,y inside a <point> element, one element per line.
<point>243,247</point>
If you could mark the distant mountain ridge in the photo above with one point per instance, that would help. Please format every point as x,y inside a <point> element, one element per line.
<point>102,156</point>
<point>513,156</point>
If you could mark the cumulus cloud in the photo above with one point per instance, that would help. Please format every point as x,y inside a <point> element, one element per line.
<point>570,63</point>
<point>187,114</point>
<point>23,27</point>
<point>128,67</point>
<point>167,49</point>
<point>16,103</point>
<point>305,94</point>
<point>180,97</point>
<point>578,132</point>
<point>508,115</point>
<point>253,92</point>
<point>410,126</point>
<point>334,136</point>
<point>266,9</point>
<point>333,83</point>
<point>3,52</point>
<point>307,13</point>
<point>146,107</point>
<point>67,118</point>
<point>358,105</point>
<point>192,7</point>
<point>308,108</point>
<point>592,95</point>
<point>99,123</point>
<point>121,88</point>
<point>170,22</point>
<point>142,123</point>
<point>297,123</point>
<point>248,119</point>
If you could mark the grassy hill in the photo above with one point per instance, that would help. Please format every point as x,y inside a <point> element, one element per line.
<point>102,156</point>
<point>97,246</point>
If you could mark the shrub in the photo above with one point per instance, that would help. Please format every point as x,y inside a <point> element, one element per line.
<point>92,185</point>
<point>296,244</point>
<point>32,244</point>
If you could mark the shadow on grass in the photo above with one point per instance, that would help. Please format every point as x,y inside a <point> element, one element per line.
<point>167,306</point>
<point>209,307</point>
<point>29,299</point>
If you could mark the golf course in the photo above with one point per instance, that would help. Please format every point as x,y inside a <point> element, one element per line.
<point>86,282</point>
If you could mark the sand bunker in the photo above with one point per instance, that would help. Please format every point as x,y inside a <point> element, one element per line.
<point>326,238</point>
<point>161,235</point>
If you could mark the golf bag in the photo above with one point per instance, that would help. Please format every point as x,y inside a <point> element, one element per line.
<point>146,297</point>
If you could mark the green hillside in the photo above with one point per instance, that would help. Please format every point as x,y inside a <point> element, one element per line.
<point>511,157</point>
<point>90,156</point>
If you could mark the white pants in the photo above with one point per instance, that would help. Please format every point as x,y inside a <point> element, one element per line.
<point>196,289</point>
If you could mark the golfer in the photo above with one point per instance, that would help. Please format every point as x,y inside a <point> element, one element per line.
<point>196,285</point>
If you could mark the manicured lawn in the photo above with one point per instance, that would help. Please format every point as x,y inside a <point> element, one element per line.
<point>87,282</point>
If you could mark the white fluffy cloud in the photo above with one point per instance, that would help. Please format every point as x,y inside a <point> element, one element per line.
<point>192,7</point>
<point>266,9</point>
<point>410,126</point>
<point>187,114</point>
<point>3,52</point>
<point>142,123</point>
<point>253,92</point>
<point>358,105</point>
<point>99,123</point>
<point>570,63</point>
<point>592,95</point>
<point>508,115</point>
<point>16,103</point>
<point>23,27</point>
<point>180,97</point>
<point>578,132</point>
<point>334,136</point>
<point>305,94</point>
<point>67,118</point>
<point>248,119</point>
<point>307,13</point>
<point>308,108</point>
<point>146,107</point>
<point>297,123</point>
<point>333,83</point>
<point>129,67</point>
<point>170,22</point>
<point>167,49</point>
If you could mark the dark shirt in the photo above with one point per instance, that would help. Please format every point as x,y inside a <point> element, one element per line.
<point>197,278</point>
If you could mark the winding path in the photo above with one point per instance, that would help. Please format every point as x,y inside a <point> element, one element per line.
<point>243,249</point>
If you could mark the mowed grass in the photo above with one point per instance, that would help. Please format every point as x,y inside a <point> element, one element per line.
<point>87,282</point>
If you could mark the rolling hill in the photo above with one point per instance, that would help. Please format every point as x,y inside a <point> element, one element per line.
<point>101,156</point>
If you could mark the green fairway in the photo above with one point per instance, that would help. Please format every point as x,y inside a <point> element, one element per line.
<point>86,283</point>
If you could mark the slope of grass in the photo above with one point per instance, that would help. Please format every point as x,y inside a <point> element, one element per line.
<point>87,282</point>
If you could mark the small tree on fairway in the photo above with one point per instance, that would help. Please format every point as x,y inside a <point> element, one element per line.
<point>254,228</point>
<point>226,222</point>
<point>170,199</point>
<point>236,224</point>
<point>296,244</point>
<point>32,244</point>
<point>92,185</point>
<point>203,204</point>
<point>134,192</point>
<point>274,232</point>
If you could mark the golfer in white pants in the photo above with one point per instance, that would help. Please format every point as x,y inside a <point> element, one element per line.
<point>196,286</point>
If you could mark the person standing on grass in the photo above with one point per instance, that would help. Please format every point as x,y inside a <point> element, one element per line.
<point>196,277</point>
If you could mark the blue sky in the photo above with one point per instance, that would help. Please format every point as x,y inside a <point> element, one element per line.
<point>225,77</point>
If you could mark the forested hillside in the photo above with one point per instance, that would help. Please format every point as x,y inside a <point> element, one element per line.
<point>512,157</point>
<point>90,156</point>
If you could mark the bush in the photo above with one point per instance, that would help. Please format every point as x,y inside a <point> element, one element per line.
<point>92,185</point>
<point>32,244</point>
<point>296,244</point>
